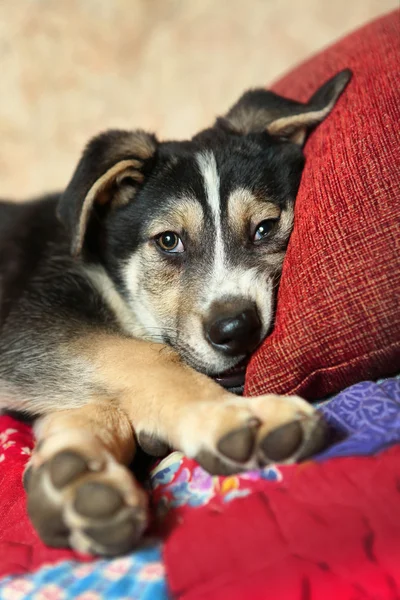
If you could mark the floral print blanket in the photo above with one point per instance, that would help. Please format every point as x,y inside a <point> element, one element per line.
<point>366,416</point>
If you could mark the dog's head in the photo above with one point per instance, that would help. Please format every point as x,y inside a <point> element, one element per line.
<point>193,234</point>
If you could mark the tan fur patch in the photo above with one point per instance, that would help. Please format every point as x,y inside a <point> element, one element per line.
<point>245,208</point>
<point>143,145</point>
<point>295,126</point>
<point>185,214</point>
<point>139,143</point>
<point>273,262</point>
<point>99,192</point>
<point>154,402</point>
<point>96,421</point>
<point>246,120</point>
<point>154,292</point>
<point>286,222</point>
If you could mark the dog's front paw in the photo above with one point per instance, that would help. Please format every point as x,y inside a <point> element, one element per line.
<point>80,497</point>
<point>248,433</point>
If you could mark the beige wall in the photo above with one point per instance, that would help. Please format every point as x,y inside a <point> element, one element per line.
<point>70,68</point>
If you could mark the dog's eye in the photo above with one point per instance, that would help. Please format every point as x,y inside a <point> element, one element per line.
<point>263,229</point>
<point>169,241</point>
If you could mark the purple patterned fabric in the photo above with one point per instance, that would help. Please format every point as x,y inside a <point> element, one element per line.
<point>366,415</point>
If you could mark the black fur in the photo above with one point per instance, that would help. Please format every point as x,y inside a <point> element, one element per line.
<point>45,297</point>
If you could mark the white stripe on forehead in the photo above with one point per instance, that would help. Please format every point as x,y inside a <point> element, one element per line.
<point>224,280</point>
<point>208,169</point>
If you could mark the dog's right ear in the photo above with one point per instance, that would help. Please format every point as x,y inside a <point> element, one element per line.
<point>113,167</point>
<point>261,110</point>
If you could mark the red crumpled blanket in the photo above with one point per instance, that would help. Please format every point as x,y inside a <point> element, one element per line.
<point>327,531</point>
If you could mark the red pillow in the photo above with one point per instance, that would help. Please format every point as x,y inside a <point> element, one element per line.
<point>338,316</point>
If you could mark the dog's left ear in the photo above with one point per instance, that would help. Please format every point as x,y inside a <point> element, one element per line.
<point>113,167</point>
<point>260,110</point>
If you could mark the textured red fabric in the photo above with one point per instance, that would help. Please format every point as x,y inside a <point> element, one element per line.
<point>331,532</point>
<point>338,316</point>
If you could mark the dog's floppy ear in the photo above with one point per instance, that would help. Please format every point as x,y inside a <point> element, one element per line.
<point>260,110</point>
<point>112,168</point>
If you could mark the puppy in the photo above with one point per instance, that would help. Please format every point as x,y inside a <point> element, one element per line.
<point>131,302</point>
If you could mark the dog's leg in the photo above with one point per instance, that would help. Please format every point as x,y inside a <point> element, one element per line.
<point>79,491</point>
<point>167,401</point>
<point>80,494</point>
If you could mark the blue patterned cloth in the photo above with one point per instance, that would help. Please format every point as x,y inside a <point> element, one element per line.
<point>367,415</point>
<point>139,576</point>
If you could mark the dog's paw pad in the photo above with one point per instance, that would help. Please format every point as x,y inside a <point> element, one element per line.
<point>238,444</point>
<point>97,500</point>
<point>85,500</point>
<point>283,442</point>
<point>65,467</point>
<point>249,433</point>
<point>215,465</point>
<point>117,538</point>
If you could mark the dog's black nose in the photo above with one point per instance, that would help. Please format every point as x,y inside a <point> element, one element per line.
<point>233,328</point>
